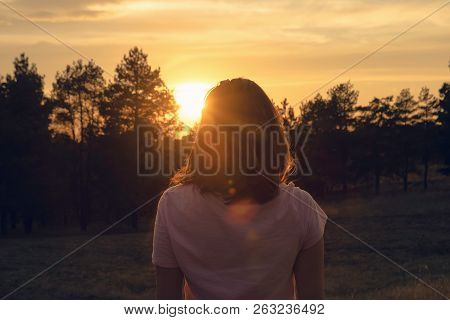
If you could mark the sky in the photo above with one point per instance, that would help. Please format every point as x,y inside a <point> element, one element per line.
<point>290,48</point>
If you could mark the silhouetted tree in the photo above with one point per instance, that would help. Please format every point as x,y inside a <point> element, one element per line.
<point>316,115</point>
<point>24,142</point>
<point>287,114</point>
<point>76,96</point>
<point>404,108</point>
<point>343,99</point>
<point>444,119</point>
<point>425,120</point>
<point>329,145</point>
<point>137,96</point>
<point>373,124</point>
<point>3,138</point>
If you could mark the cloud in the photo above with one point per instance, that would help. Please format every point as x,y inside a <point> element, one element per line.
<point>60,10</point>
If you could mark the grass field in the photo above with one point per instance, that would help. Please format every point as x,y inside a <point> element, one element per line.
<point>413,229</point>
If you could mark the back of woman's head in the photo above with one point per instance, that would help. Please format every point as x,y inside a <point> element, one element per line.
<point>240,149</point>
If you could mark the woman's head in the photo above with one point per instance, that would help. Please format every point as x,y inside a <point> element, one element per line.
<point>240,150</point>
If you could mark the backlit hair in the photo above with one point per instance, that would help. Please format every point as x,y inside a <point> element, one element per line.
<point>241,109</point>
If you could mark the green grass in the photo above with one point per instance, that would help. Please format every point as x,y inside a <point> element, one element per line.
<point>412,229</point>
<point>116,266</point>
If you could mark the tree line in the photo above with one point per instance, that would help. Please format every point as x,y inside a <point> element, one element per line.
<point>355,146</point>
<point>69,157</point>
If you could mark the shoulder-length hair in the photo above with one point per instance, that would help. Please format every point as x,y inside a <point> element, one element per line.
<point>240,150</point>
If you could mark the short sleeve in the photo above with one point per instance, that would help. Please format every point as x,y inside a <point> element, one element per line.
<point>315,219</point>
<point>163,254</point>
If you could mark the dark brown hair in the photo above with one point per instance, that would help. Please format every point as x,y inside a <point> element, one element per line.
<point>229,107</point>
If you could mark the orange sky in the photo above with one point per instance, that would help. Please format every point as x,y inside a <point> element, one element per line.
<point>289,47</point>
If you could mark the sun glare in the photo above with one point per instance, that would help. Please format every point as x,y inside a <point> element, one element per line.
<point>191,97</point>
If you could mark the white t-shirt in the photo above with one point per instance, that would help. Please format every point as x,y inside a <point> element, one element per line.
<point>238,251</point>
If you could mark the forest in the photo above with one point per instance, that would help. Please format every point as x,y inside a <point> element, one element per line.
<point>69,155</point>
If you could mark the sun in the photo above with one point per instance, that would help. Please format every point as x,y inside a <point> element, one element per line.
<point>191,97</point>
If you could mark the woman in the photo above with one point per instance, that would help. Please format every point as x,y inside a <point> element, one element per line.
<point>230,227</point>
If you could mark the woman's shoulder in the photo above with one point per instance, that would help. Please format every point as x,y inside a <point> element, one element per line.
<point>181,196</point>
<point>179,189</point>
<point>295,194</point>
<point>180,192</point>
<point>299,200</point>
<point>303,204</point>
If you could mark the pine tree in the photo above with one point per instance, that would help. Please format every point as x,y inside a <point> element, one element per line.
<point>137,96</point>
<point>444,120</point>
<point>372,124</point>
<point>76,97</point>
<point>24,142</point>
<point>404,108</point>
<point>425,120</point>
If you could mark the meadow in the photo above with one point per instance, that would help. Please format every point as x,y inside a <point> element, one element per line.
<point>410,228</point>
